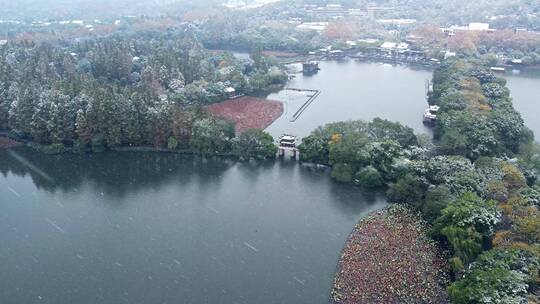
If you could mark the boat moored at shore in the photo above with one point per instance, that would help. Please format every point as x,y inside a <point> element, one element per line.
<point>430,114</point>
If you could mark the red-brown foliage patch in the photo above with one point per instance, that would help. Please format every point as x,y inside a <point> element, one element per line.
<point>389,259</point>
<point>6,142</point>
<point>248,112</point>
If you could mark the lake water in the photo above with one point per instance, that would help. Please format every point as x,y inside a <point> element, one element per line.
<point>162,228</point>
<point>525,90</point>
<point>361,90</point>
<point>355,90</point>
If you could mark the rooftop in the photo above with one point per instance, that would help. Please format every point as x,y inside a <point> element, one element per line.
<point>394,45</point>
<point>316,26</point>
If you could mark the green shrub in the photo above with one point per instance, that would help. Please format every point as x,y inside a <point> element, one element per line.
<point>497,276</point>
<point>54,149</point>
<point>466,224</point>
<point>368,178</point>
<point>497,191</point>
<point>513,177</point>
<point>469,210</point>
<point>343,172</point>
<point>380,129</point>
<point>408,189</point>
<point>466,242</point>
<point>255,143</point>
<point>172,143</point>
<point>436,200</point>
<point>212,135</point>
<point>456,264</point>
<point>494,285</point>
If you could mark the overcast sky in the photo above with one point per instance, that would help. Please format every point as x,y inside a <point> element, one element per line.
<point>40,9</point>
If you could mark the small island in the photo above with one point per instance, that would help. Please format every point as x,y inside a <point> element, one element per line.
<point>389,258</point>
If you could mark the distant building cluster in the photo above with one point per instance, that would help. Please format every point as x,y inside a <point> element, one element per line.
<point>313,26</point>
<point>395,46</point>
<point>244,5</point>
<point>473,26</point>
<point>334,10</point>
<point>397,21</point>
<point>338,11</point>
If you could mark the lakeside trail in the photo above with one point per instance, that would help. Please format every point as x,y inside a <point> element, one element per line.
<point>388,258</point>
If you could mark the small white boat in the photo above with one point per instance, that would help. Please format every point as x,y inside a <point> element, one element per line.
<point>430,114</point>
<point>498,69</point>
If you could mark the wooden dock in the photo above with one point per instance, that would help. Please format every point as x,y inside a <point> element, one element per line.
<point>311,98</point>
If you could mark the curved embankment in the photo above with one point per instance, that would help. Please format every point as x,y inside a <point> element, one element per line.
<point>388,258</point>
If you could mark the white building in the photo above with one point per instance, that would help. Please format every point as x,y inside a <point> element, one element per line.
<point>368,40</point>
<point>333,6</point>
<point>313,26</point>
<point>473,26</point>
<point>397,21</point>
<point>356,12</point>
<point>449,54</point>
<point>477,26</point>
<point>245,5</point>
<point>393,46</point>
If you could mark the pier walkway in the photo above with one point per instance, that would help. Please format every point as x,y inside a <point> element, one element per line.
<point>311,98</point>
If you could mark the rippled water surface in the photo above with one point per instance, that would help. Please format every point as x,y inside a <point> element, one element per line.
<point>159,228</point>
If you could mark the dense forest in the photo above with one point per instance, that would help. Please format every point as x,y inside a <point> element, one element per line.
<point>476,185</point>
<point>125,90</point>
<point>477,117</point>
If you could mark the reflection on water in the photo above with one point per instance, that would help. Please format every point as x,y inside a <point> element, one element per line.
<point>165,228</point>
<point>113,174</point>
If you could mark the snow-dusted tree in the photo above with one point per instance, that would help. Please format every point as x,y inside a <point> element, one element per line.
<point>177,80</point>
<point>41,118</point>
<point>82,128</point>
<point>22,107</point>
<point>4,109</point>
<point>62,118</point>
<point>111,121</point>
<point>159,122</point>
